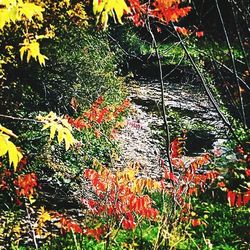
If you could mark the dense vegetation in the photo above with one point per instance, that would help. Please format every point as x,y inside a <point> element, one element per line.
<point>64,67</point>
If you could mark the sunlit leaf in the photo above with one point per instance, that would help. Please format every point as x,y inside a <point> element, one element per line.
<point>7,146</point>
<point>60,126</point>
<point>103,8</point>
<point>7,131</point>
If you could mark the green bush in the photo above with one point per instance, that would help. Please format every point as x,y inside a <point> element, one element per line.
<point>81,65</point>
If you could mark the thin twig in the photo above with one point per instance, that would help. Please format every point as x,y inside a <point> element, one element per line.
<point>207,90</point>
<point>175,67</point>
<point>163,106</point>
<point>239,35</point>
<point>19,118</point>
<point>224,66</point>
<point>233,64</point>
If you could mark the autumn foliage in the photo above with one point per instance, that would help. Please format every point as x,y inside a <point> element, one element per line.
<point>120,196</point>
<point>111,201</point>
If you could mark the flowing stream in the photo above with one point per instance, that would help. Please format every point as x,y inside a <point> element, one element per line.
<point>143,140</point>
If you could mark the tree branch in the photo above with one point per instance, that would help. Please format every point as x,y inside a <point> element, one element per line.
<point>208,92</point>
<point>163,106</point>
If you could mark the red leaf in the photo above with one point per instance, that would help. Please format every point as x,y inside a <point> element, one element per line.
<point>170,176</point>
<point>231,197</point>
<point>199,34</point>
<point>246,197</point>
<point>239,200</point>
<point>182,30</point>
<point>247,172</point>
<point>128,222</point>
<point>196,222</point>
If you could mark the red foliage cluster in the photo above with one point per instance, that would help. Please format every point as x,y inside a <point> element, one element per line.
<point>193,178</point>
<point>6,174</point>
<point>182,30</point>
<point>97,114</point>
<point>116,199</point>
<point>199,34</point>
<point>137,11</point>
<point>189,179</point>
<point>25,184</point>
<point>4,179</point>
<point>238,199</point>
<point>185,32</point>
<point>177,146</point>
<point>196,222</point>
<point>167,13</point>
<point>164,11</point>
<point>67,225</point>
<point>95,232</point>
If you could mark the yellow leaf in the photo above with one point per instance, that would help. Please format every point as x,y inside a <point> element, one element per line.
<point>7,146</point>
<point>31,199</point>
<point>68,138</point>
<point>104,19</point>
<point>119,8</point>
<point>95,6</point>
<point>138,185</point>
<point>52,131</point>
<point>17,229</point>
<point>29,10</point>
<point>41,59</point>
<point>104,8</point>
<point>46,125</point>
<point>14,155</point>
<point>22,50</point>
<point>45,217</point>
<point>34,49</point>
<point>59,125</point>
<point>7,131</point>
<point>13,13</point>
<point>60,134</point>
<point>66,124</point>
<point>3,144</point>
